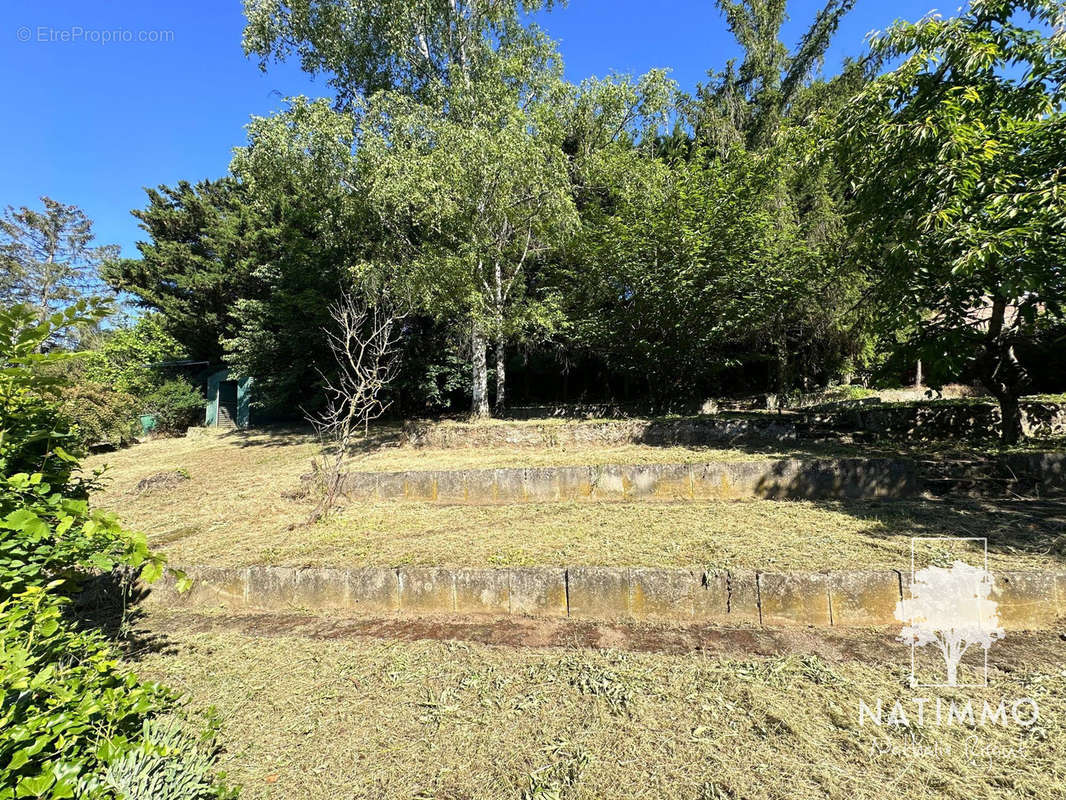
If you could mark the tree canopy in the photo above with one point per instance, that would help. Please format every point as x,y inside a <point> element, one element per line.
<point>49,258</point>
<point>967,136</point>
<point>783,227</point>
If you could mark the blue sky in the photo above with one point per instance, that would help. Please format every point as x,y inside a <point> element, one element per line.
<point>92,122</point>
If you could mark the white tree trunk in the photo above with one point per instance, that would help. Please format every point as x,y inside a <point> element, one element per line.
<point>479,406</point>
<point>501,366</point>
<point>501,374</point>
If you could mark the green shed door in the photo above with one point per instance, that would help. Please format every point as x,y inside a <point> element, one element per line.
<point>227,404</point>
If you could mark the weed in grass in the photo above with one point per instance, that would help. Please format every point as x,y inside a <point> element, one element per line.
<point>609,677</point>
<point>557,779</point>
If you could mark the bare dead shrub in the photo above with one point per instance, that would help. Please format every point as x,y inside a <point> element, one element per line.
<point>363,338</point>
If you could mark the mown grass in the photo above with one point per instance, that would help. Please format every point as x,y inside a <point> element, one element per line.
<point>399,459</point>
<point>768,535</point>
<point>237,507</point>
<point>288,453</point>
<point>760,534</point>
<point>237,482</point>
<point>309,719</point>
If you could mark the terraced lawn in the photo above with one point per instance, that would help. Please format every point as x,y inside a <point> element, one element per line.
<point>242,479</point>
<point>237,506</point>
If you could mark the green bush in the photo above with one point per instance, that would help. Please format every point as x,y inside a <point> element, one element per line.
<point>101,415</point>
<point>48,533</point>
<point>73,722</point>
<point>176,404</point>
<point>32,430</point>
<point>127,354</point>
<point>151,770</point>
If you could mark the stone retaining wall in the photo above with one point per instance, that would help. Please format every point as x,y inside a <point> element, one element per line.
<point>1026,471</point>
<point>942,420</point>
<point>1028,600</point>
<point>696,431</point>
<point>857,478</point>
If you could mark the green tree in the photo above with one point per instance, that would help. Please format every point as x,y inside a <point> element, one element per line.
<point>129,355</point>
<point>48,258</point>
<point>716,251</point>
<point>313,232</point>
<point>478,201</point>
<point>773,108</point>
<point>422,49</point>
<point>195,263</point>
<point>452,100</point>
<point>747,105</point>
<point>956,160</point>
<point>681,271</point>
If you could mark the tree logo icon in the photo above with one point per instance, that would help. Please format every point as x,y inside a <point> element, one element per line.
<point>950,607</point>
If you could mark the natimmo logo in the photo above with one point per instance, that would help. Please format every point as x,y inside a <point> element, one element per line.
<point>950,621</point>
<point>952,609</point>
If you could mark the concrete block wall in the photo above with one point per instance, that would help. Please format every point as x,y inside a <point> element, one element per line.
<point>857,599</point>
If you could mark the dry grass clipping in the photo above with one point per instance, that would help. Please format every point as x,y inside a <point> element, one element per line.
<point>382,719</point>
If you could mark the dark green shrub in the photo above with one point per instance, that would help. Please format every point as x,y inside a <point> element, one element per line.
<point>101,415</point>
<point>176,404</point>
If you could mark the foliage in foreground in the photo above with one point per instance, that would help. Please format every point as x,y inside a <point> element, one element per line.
<point>73,722</point>
<point>76,724</point>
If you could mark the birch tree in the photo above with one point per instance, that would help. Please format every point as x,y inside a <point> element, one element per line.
<point>460,154</point>
<point>478,203</point>
<point>418,48</point>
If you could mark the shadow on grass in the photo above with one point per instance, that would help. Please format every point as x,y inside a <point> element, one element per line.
<point>112,605</point>
<point>289,435</point>
<point>269,436</point>
<point>1033,527</point>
